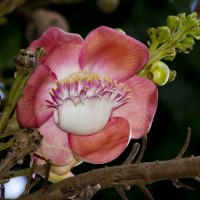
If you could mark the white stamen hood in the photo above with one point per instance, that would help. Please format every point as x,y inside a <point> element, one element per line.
<point>87,117</point>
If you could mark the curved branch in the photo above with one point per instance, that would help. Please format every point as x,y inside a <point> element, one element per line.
<point>134,174</point>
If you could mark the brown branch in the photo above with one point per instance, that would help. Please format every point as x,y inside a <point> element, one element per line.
<point>135,175</point>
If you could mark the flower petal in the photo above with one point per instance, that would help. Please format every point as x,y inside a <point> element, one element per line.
<point>62,50</point>
<point>140,110</point>
<point>32,109</point>
<point>61,170</point>
<point>56,173</point>
<point>113,54</point>
<point>55,145</point>
<point>103,146</point>
<point>54,178</point>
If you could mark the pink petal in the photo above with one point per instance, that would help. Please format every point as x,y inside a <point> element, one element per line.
<point>55,145</point>
<point>37,159</point>
<point>103,146</point>
<point>140,110</point>
<point>32,108</point>
<point>113,54</point>
<point>62,50</point>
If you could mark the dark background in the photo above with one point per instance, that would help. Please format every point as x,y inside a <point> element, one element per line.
<point>179,101</point>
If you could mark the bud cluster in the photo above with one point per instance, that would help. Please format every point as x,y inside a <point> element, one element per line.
<point>178,36</point>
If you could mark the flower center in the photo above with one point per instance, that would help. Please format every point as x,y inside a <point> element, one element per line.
<point>84,102</point>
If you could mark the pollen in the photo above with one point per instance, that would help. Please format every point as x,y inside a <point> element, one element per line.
<point>83,85</point>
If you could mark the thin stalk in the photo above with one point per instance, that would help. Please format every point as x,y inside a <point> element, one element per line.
<point>22,172</point>
<point>6,145</point>
<point>14,95</point>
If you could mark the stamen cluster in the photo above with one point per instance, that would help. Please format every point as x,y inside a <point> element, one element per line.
<point>81,85</point>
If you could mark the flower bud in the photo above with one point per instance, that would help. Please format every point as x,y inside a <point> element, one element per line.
<point>192,24</point>
<point>172,22</point>
<point>170,54</point>
<point>185,45</point>
<point>159,72</point>
<point>182,20</point>
<point>163,33</point>
<point>25,60</point>
<point>196,33</point>
<point>120,30</point>
<point>172,75</point>
<point>152,33</point>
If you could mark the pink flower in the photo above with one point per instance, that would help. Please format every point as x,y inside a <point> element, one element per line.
<point>85,97</point>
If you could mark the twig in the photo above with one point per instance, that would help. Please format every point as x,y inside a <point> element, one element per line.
<point>144,145</point>
<point>128,160</point>
<point>146,192</point>
<point>27,188</point>
<point>121,192</point>
<point>185,146</point>
<point>178,184</point>
<point>31,185</point>
<point>132,154</point>
<point>25,142</point>
<point>46,177</point>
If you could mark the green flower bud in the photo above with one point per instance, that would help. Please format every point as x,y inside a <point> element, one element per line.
<point>172,22</point>
<point>192,15</point>
<point>159,73</point>
<point>172,75</point>
<point>152,33</point>
<point>182,20</point>
<point>188,41</point>
<point>169,54</point>
<point>185,45</point>
<point>120,30</point>
<point>192,24</point>
<point>196,33</point>
<point>163,33</point>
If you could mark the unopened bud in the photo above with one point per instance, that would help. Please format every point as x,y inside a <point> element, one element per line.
<point>159,72</point>
<point>170,54</point>
<point>120,30</point>
<point>152,33</point>
<point>172,22</point>
<point>196,33</point>
<point>172,75</point>
<point>185,45</point>
<point>25,60</point>
<point>163,33</point>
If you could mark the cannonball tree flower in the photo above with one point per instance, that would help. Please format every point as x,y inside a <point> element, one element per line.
<point>85,96</point>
